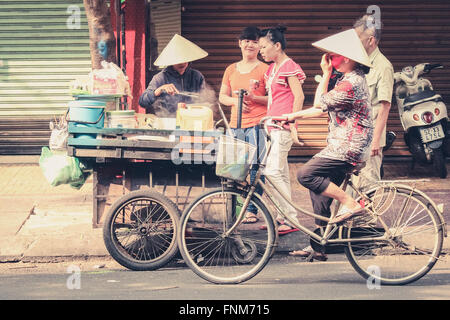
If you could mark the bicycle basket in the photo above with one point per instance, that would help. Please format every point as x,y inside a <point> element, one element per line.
<point>234,158</point>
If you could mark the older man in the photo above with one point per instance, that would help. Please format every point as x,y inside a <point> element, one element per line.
<point>381,82</point>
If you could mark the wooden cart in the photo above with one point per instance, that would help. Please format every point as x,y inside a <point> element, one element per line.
<point>179,164</point>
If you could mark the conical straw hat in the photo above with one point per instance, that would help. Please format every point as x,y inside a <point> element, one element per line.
<point>179,50</point>
<point>347,44</point>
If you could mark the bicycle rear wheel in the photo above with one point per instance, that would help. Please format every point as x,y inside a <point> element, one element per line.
<point>140,230</point>
<point>412,247</point>
<point>213,254</point>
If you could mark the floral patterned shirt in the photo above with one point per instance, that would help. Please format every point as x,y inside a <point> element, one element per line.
<point>350,128</point>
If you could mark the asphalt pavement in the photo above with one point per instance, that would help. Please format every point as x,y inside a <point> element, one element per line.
<point>41,222</point>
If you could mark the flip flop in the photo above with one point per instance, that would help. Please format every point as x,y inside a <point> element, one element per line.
<point>309,253</point>
<point>346,214</point>
<point>250,219</point>
<point>283,232</point>
<point>310,256</point>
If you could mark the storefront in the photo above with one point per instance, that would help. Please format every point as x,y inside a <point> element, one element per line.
<point>414,32</point>
<point>43,48</point>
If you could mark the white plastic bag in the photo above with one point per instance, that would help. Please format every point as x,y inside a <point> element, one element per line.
<point>109,80</point>
<point>59,135</point>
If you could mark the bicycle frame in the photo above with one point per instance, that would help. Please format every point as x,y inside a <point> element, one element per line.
<point>330,229</point>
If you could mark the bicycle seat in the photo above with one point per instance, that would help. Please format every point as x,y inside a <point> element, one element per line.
<point>356,169</point>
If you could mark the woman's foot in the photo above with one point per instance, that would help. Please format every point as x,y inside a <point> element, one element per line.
<point>250,218</point>
<point>345,213</point>
<point>283,228</point>
<point>308,252</point>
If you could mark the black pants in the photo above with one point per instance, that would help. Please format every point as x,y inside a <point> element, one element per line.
<point>316,175</point>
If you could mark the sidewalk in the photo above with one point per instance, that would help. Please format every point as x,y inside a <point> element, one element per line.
<point>39,222</point>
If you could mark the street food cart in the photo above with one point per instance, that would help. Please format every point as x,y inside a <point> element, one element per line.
<point>179,169</point>
<point>142,179</point>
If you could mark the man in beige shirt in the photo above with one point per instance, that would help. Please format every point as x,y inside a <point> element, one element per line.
<point>381,82</point>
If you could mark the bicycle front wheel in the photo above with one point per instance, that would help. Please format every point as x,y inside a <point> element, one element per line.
<point>412,242</point>
<point>214,253</point>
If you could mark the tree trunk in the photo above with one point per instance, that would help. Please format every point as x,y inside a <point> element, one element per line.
<point>102,41</point>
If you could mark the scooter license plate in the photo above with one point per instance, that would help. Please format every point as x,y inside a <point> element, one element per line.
<point>433,133</point>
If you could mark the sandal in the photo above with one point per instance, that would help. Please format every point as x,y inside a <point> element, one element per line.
<point>282,232</point>
<point>346,214</point>
<point>286,231</point>
<point>309,253</point>
<point>250,218</point>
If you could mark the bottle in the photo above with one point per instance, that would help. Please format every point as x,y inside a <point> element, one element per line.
<point>178,120</point>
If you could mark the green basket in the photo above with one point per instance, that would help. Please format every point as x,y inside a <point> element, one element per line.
<point>234,158</point>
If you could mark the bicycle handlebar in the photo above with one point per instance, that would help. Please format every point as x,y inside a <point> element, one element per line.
<point>264,123</point>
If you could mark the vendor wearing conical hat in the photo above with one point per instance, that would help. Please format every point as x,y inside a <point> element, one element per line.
<point>162,95</point>
<point>350,127</point>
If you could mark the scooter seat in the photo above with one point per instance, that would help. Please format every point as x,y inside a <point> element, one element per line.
<point>420,97</point>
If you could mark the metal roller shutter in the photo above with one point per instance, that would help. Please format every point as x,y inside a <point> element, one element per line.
<point>43,47</point>
<point>166,17</point>
<point>414,32</point>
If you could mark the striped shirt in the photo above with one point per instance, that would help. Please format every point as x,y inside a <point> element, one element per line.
<point>281,98</point>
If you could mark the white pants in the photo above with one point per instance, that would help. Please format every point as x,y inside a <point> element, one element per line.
<point>277,168</point>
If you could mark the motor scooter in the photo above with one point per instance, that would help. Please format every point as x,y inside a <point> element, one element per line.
<point>423,115</point>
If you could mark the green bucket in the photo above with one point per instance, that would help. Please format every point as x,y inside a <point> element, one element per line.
<point>87,113</point>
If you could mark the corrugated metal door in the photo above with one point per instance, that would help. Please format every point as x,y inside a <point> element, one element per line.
<point>166,18</point>
<point>44,45</point>
<point>415,32</point>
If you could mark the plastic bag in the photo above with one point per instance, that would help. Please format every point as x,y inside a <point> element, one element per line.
<point>59,135</point>
<point>59,168</point>
<point>109,80</point>
<point>234,158</point>
<point>80,86</point>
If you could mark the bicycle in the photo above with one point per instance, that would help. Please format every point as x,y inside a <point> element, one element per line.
<point>397,242</point>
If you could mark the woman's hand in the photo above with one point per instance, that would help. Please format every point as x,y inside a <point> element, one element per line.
<point>168,88</point>
<point>326,66</point>
<point>249,97</point>
<point>291,116</point>
<point>245,107</point>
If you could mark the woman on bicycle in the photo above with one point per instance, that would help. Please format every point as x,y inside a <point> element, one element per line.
<point>284,80</point>
<point>247,74</point>
<point>350,128</point>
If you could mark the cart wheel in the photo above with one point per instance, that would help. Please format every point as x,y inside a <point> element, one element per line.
<point>140,230</point>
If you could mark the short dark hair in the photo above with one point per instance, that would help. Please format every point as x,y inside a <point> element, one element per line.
<point>250,33</point>
<point>365,69</point>
<point>368,22</point>
<point>276,35</point>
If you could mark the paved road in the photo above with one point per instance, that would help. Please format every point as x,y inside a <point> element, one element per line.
<point>285,278</point>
